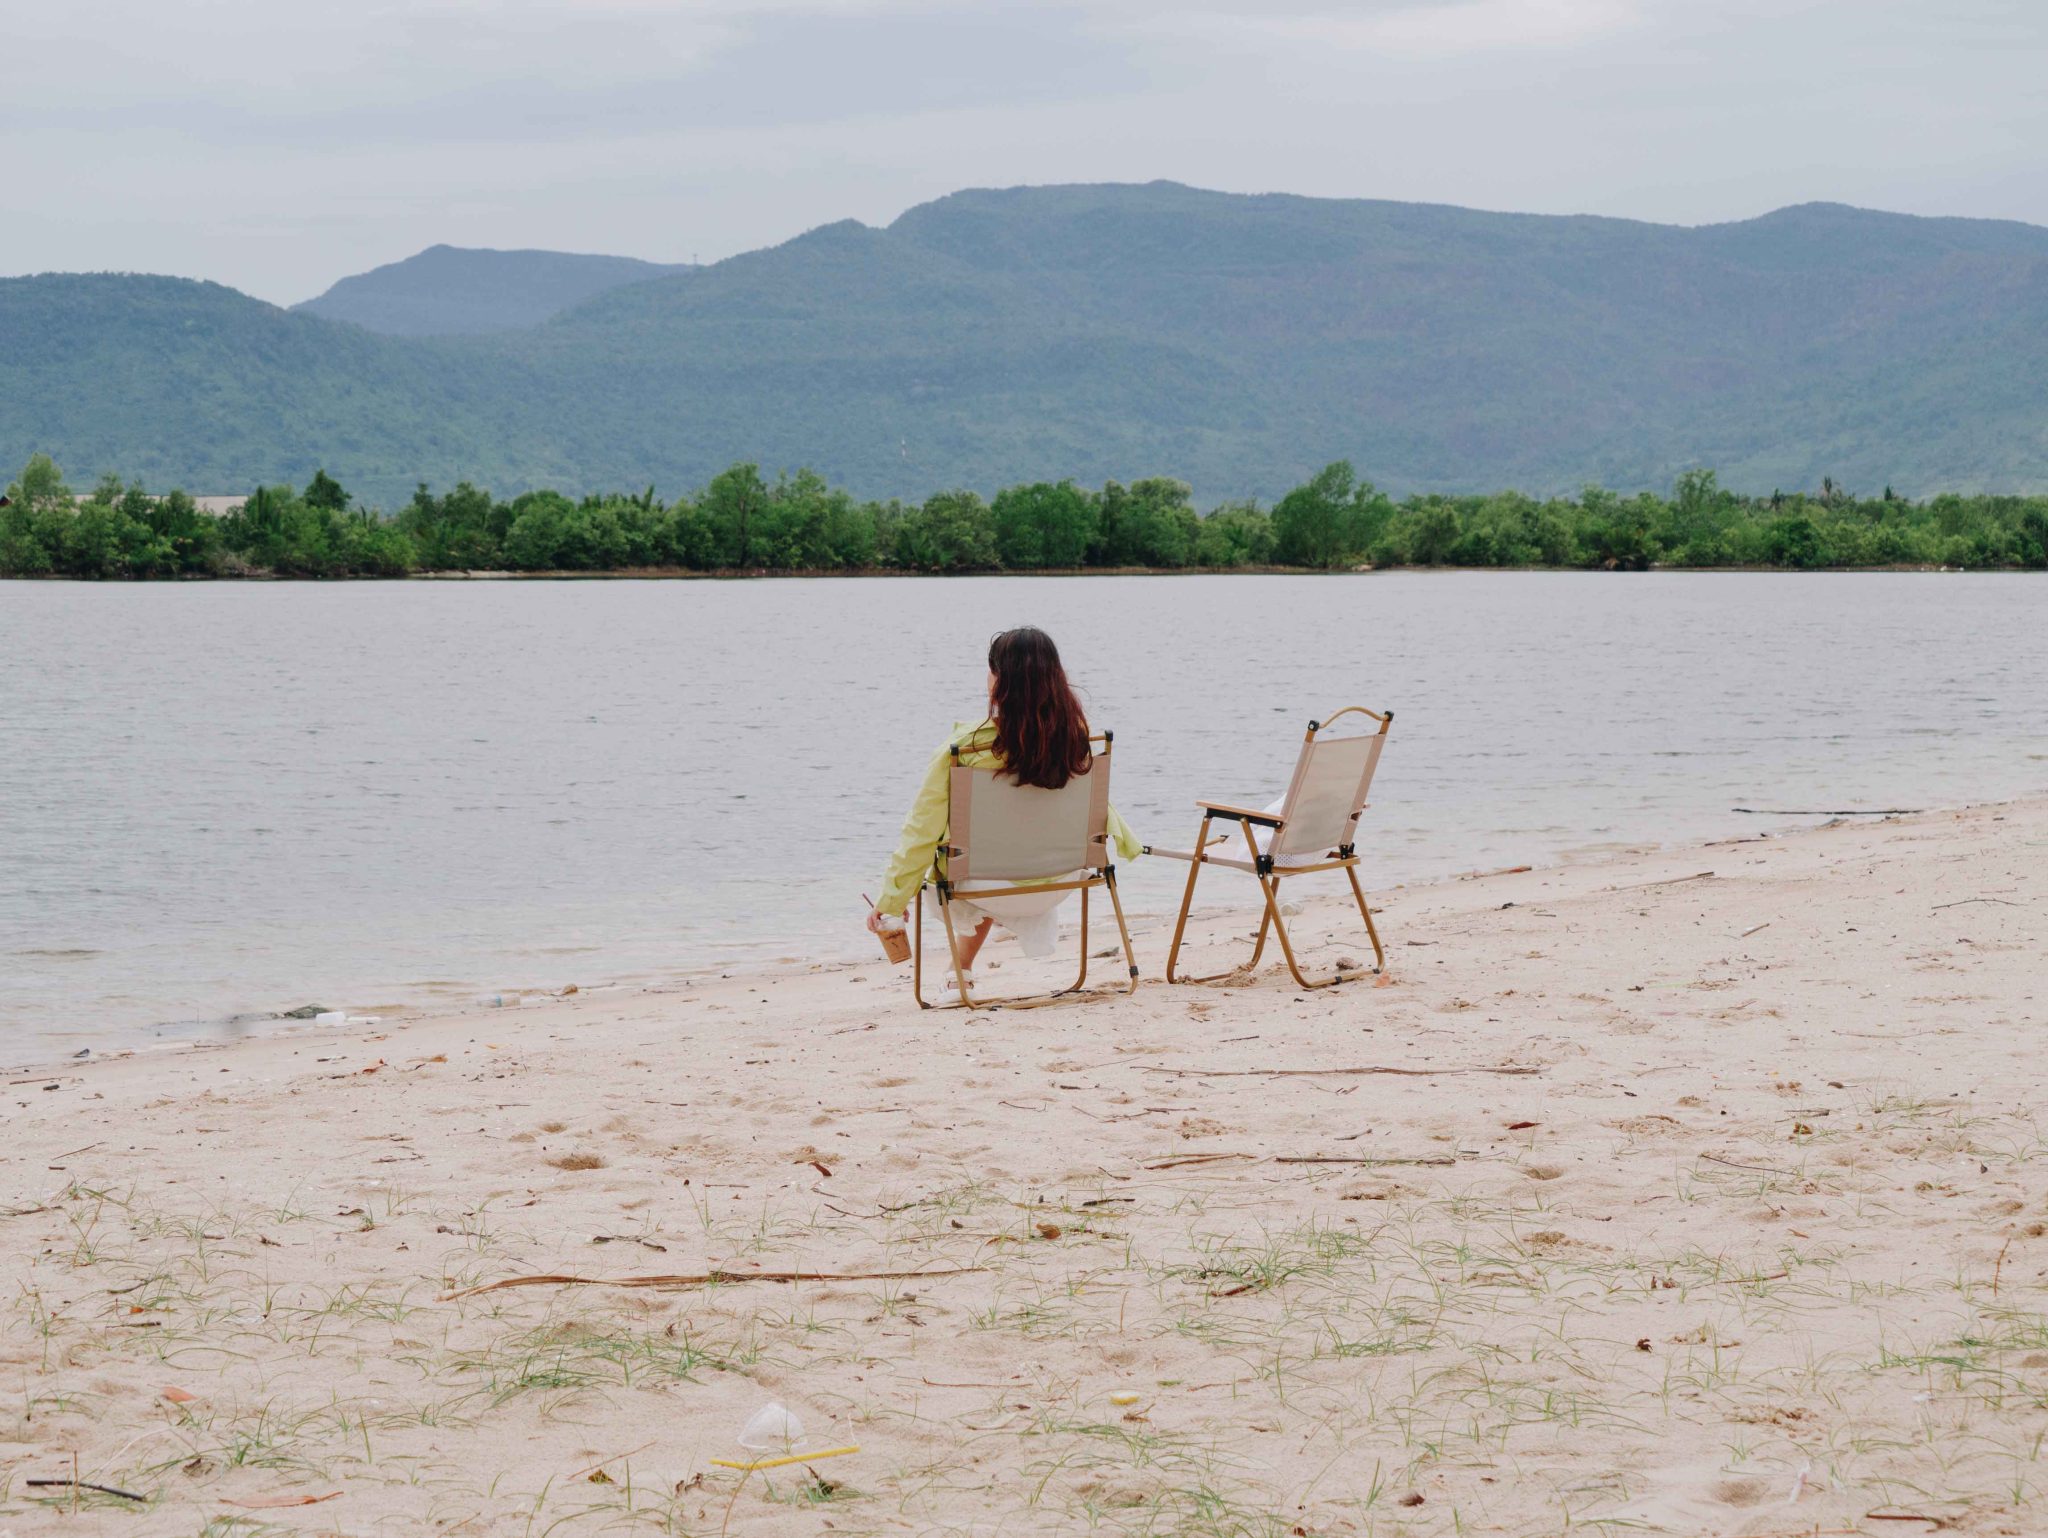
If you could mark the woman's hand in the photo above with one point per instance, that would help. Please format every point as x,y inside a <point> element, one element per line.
<point>874,921</point>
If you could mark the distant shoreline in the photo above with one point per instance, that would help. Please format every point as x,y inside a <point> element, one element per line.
<point>830,573</point>
<point>742,524</point>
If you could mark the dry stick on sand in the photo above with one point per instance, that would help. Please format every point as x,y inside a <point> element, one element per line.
<point>704,1279</point>
<point>1964,902</point>
<point>1698,875</point>
<point>82,1484</point>
<point>1359,1159</point>
<point>1310,1073</point>
<point>1207,1158</point>
<point>1883,811</point>
<point>614,1458</point>
<point>1761,1169</point>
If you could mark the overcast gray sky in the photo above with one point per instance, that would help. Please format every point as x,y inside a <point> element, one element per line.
<point>279,144</point>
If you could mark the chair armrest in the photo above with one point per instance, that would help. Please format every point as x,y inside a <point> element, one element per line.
<point>1225,809</point>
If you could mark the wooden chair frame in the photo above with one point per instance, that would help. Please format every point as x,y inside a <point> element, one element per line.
<point>1269,874</point>
<point>1101,874</point>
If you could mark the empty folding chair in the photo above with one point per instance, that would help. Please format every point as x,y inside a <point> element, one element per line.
<point>1313,828</point>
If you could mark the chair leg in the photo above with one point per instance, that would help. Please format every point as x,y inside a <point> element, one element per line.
<point>1379,951</point>
<point>953,945</point>
<point>1271,887</point>
<point>1027,1001</point>
<point>1270,921</point>
<point>1124,929</point>
<point>917,955</point>
<point>1187,899</point>
<point>1266,922</point>
<point>1083,976</point>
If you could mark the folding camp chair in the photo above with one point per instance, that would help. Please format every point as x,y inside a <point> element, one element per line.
<point>1313,829</point>
<point>1014,840</point>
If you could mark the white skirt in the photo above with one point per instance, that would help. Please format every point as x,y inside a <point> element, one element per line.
<point>1033,917</point>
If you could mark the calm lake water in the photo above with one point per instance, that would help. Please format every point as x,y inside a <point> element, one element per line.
<point>239,798</point>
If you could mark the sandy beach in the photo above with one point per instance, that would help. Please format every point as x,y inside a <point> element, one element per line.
<point>1696,1191</point>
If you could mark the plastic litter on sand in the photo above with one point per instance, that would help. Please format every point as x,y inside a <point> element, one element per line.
<point>772,1429</point>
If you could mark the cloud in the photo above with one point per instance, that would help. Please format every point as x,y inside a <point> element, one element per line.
<point>277,144</point>
<point>1404,27</point>
<point>518,72</point>
<point>1491,24</point>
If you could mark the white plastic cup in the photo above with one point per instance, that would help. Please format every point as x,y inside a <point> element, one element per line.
<point>772,1429</point>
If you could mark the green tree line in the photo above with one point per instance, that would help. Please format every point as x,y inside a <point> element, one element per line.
<point>742,523</point>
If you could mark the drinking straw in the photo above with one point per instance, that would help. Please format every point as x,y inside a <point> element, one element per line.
<point>776,1463</point>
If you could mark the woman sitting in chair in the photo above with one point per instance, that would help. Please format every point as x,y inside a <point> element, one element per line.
<point>1036,732</point>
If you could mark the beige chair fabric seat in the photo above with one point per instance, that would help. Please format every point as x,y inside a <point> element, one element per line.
<point>1021,850</point>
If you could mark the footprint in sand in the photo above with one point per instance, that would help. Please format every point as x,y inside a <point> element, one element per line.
<point>1542,1171</point>
<point>1652,1125</point>
<point>1741,1492</point>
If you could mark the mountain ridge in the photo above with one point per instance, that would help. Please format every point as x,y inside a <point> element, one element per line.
<point>1114,331</point>
<point>449,290</point>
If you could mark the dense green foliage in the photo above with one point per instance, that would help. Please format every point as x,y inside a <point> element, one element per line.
<point>995,339</point>
<point>449,291</point>
<point>742,523</point>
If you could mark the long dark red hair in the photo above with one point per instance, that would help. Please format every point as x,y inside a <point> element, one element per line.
<point>1041,733</point>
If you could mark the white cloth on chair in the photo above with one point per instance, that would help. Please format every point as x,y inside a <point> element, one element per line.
<point>1262,836</point>
<point>1033,917</point>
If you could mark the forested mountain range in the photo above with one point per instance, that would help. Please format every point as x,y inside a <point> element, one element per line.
<point>1099,332</point>
<point>450,291</point>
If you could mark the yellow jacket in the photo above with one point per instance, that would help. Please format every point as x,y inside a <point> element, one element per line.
<point>926,825</point>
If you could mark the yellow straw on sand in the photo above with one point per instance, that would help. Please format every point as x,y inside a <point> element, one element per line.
<point>776,1463</point>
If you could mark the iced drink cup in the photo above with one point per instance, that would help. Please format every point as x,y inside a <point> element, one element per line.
<point>895,939</point>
